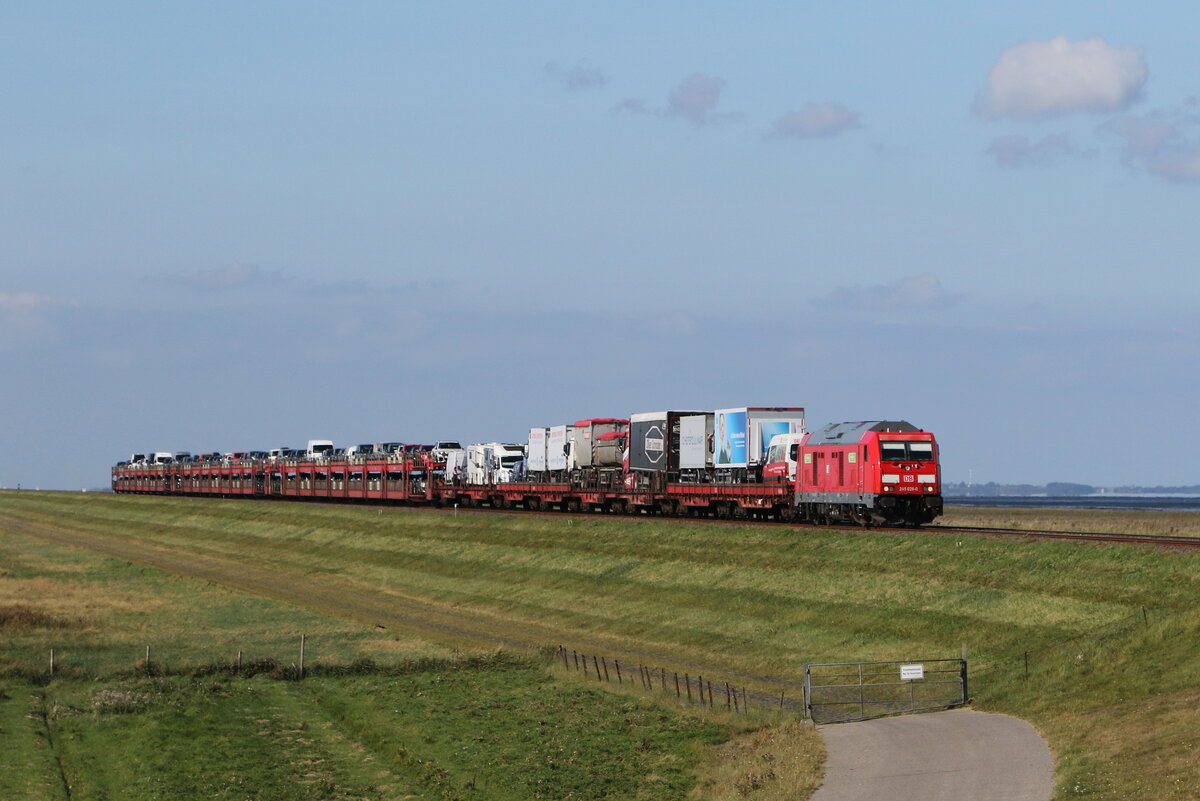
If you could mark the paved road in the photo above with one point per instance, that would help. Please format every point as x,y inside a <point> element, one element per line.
<point>958,755</point>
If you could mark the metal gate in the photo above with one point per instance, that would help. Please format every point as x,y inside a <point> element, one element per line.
<point>842,692</point>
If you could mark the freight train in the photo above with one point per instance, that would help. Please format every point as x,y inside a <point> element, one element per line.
<point>749,462</point>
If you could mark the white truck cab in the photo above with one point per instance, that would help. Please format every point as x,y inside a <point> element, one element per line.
<point>780,462</point>
<point>493,462</point>
<point>318,449</point>
<point>444,447</point>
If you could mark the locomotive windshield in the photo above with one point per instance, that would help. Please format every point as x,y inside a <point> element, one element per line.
<point>906,451</point>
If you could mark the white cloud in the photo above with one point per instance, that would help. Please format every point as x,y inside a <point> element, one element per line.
<point>1142,136</point>
<point>1177,166</point>
<point>578,78</point>
<point>24,302</point>
<point>677,323</point>
<point>1019,151</point>
<point>633,105</point>
<point>28,320</point>
<point>234,276</point>
<point>1165,143</point>
<point>917,292</point>
<point>1041,79</point>
<point>695,99</point>
<point>816,120</point>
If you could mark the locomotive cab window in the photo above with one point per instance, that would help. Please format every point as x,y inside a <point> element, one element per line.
<point>906,451</point>
<point>921,451</point>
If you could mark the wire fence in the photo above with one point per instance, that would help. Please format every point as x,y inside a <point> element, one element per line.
<point>711,691</point>
<point>150,662</point>
<point>685,687</point>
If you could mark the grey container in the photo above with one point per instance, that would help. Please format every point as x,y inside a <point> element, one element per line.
<point>654,440</point>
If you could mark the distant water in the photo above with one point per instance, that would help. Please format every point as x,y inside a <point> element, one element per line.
<point>1169,503</point>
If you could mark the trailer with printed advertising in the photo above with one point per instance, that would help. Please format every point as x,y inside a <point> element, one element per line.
<point>743,436</point>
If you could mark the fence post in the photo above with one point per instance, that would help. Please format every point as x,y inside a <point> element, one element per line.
<point>1145,618</point>
<point>576,655</point>
<point>596,664</point>
<point>964,673</point>
<point>604,662</point>
<point>147,660</point>
<point>727,695</point>
<point>862,709</point>
<point>807,699</point>
<point>617,664</point>
<point>688,681</point>
<point>700,681</point>
<point>51,661</point>
<point>239,663</point>
<point>301,656</point>
<point>676,684</point>
<point>710,700</point>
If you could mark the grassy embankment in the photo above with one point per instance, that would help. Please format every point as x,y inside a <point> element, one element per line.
<point>1177,524</point>
<point>379,716</point>
<point>1112,691</point>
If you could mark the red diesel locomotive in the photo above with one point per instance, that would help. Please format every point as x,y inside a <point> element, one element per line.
<point>869,472</point>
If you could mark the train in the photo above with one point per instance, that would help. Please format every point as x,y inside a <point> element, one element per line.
<point>742,463</point>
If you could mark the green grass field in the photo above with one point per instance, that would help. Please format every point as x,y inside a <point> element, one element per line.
<point>491,730</point>
<point>1110,631</point>
<point>379,715</point>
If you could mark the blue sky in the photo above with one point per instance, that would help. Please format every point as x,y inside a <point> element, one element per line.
<point>236,226</point>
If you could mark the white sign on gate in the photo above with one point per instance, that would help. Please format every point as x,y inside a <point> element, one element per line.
<point>912,672</point>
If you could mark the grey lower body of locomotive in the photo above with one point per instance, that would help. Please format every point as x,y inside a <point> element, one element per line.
<point>868,508</point>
